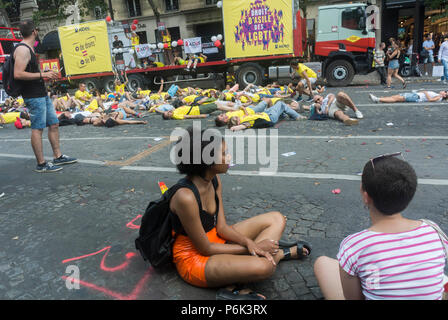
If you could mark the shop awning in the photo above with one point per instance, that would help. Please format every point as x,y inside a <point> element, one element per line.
<point>51,41</point>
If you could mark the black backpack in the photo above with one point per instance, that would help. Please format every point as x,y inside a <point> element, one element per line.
<point>155,239</point>
<point>10,85</point>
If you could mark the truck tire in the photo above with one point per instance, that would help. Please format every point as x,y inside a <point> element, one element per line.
<point>108,84</point>
<point>250,73</point>
<point>339,73</point>
<point>135,81</point>
<point>92,84</point>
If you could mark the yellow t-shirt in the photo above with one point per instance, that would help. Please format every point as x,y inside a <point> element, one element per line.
<point>154,96</point>
<point>275,100</point>
<point>92,106</point>
<point>11,117</point>
<point>255,98</point>
<point>181,112</point>
<point>165,95</point>
<point>20,101</point>
<point>240,113</point>
<point>182,62</point>
<point>190,99</point>
<point>251,118</point>
<point>144,92</point>
<point>167,39</point>
<point>82,94</point>
<point>135,41</point>
<point>120,88</point>
<point>158,64</point>
<point>309,72</point>
<point>228,96</point>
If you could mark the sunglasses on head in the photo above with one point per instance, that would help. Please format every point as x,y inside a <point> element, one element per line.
<point>384,156</point>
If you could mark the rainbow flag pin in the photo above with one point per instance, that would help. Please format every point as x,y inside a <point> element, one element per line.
<point>162,187</point>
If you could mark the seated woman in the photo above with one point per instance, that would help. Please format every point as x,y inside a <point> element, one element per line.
<point>207,251</point>
<point>396,257</point>
<point>194,60</point>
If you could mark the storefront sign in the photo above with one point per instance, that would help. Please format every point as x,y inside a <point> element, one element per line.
<point>258,28</point>
<point>83,48</point>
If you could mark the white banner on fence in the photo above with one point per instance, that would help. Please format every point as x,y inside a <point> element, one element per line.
<point>143,51</point>
<point>193,45</point>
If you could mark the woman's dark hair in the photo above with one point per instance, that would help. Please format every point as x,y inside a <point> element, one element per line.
<point>110,123</point>
<point>391,183</point>
<point>187,164</point>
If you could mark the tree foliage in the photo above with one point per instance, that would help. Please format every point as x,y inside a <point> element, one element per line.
<point>436,4</point>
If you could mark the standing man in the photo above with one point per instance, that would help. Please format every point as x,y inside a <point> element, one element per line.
<point>119,60</point>
<point>443,58</point>
<point>32,88</point>
<point>428,45</point>
<point>379,62</point>
<point>135,41</point>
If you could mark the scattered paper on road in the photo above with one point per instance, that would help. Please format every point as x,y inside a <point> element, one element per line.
<point>288,154</point>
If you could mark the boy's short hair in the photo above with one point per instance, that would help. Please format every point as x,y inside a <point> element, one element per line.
<point>219,122</point>
<point>391,184</point>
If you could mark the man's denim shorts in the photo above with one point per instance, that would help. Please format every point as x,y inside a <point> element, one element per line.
<point>42,113</point>
<point>429,59</point>
<point>410,97</point>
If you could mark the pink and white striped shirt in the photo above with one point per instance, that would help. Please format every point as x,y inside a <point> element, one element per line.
<point>406,265</point>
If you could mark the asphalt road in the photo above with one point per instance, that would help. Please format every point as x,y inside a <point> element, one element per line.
<point>86,217</point>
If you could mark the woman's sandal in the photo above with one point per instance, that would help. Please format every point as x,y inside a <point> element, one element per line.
<point>234,294</point>
<point>301,244</point>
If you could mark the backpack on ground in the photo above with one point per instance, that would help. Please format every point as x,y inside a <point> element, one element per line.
<point>11,86</point>
<point>156,239</point>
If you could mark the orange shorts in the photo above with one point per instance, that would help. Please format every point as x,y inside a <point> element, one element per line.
<point>189,262</point>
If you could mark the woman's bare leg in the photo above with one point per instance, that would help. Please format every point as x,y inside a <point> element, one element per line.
<point>389,77</point>
<point>392,99</point>
<point>326,271</point>
<point>226,269</point>
<point>397,76</point>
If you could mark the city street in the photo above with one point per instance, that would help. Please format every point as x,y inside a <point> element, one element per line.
<point>88,214</point>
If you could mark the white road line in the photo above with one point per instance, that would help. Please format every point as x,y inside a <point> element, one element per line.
<point>314,176</point>
<point>403,104</point>
<point>260,136</point>
<point>323,176</point>
<point>400,90</point>
<point>81,139</point>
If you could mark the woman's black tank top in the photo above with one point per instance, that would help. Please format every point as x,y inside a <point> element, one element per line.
<point>208,220</point>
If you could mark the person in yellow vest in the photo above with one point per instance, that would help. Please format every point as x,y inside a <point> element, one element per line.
<point>11,117</point>
<point>168,52</point>
<point>307,78</point>
<point>82,95</point>
<point>194,112</point>
<point>265,119</point>
<point>135,41</point>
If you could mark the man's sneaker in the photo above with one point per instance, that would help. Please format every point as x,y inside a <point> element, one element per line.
<point>310,99</point>
<point>187,69</point>
<point>374,98</point>
<point>359,114</point>
<point>350,122</point>
<point>299,98</point>
<point>47,167</point>
<point>64,160</point>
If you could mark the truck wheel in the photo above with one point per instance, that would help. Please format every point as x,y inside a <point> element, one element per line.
<point>92,84</point>
<point>340,73</point>
<point>108,84</point>
<point>135,81</point>
<point>250,73</point>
